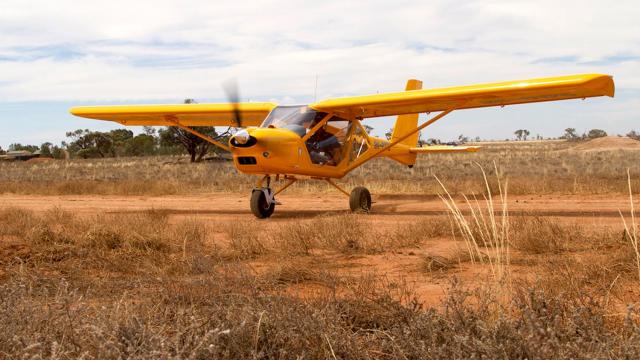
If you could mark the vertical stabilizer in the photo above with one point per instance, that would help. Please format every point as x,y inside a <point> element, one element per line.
<point>409,122</point>
<point>404,125</point>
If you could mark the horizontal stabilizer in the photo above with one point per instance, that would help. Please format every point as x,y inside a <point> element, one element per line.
<point>444,149</point>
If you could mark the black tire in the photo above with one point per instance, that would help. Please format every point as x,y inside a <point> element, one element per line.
<point>360,199</point>
<point>259,205</point>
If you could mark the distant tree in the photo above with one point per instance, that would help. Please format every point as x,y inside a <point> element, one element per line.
<point>368,128</point>
<point>120,139</point>
<point>570,134</point>
<point>518,134</point>
<point>45,149</point>
<point>141,145</point>
<point>149,130</point>
<point>433,141</point>
<point>477,139</point>
<point>634,135</point>
<point>20,147</point>
<point>89,144</point>
<point>462,139</point>
<point>2,152</point>
<point>196,147</point>
<point>58,153</point>
<point>596,133</point>
<point>522,134</point>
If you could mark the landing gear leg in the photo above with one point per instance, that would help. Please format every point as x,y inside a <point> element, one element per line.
<point>359,199</point>
<point>263,202</point>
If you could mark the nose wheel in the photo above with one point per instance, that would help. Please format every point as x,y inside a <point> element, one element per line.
<point>263,203</point>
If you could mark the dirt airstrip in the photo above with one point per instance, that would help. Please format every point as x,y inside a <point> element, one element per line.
<point>595,211</point>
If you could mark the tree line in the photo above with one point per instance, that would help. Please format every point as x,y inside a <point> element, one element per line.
<point>87,144</point>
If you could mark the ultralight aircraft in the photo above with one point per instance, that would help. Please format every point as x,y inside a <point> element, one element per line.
<point>326,140</point>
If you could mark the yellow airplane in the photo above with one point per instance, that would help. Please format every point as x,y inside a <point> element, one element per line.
<point>326,140</point>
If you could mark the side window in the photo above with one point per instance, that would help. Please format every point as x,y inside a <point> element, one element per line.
<point>327,145</point>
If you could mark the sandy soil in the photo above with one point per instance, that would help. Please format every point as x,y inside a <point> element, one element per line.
<point>607,143</point>
<point>403,265</point>
<point>225,206</point>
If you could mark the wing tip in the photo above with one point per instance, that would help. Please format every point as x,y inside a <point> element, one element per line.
<point>603,84</point>
<point>610,89</point>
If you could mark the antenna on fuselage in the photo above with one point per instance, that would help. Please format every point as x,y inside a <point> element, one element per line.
<point>315,89</point>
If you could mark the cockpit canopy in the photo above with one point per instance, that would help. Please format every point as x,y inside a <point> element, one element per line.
<point>297,118</point>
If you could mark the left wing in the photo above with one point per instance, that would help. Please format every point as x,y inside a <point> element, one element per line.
<point>185,114</point>
<point>467,97</point>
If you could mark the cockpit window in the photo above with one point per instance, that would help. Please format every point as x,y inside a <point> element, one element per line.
<point>326,145</point>
<point>295,118</point>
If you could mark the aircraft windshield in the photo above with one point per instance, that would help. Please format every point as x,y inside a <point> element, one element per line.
<point>295,118</point>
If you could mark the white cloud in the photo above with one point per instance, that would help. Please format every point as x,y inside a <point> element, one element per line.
<point>159,49</point>
<point>167,49</point>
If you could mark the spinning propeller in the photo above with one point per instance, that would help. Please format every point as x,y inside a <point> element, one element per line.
<point>233,95</point>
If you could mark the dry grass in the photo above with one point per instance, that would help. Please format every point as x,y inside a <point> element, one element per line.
<point>536,168</point>
<point>156,285</point>
<point>631,230</point>
<point>484,229</point>
<point>439,264</point>
<point>140,285</point>
<point>143,243</point>
<point>344,233</point>
<point>539,235</point>
<point>216,318</point>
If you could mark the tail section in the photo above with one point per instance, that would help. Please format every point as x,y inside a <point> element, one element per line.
<point>404,125</point>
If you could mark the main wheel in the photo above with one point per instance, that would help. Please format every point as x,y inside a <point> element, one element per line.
<point>360,200</point>
<point>260,207</point>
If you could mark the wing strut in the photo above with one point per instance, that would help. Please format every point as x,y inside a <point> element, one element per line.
<point>361,160</point>
<point>197,133</point>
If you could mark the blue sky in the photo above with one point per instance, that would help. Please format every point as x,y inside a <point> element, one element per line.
<point>54,55</point>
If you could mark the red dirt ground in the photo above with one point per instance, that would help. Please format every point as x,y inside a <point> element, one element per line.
<point>599,209</point>
<point>403,265</point>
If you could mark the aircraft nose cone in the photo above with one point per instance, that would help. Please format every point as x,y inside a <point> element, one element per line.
<point>242,137</point>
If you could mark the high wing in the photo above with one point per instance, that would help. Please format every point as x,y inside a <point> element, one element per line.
<point>184,114</point>
<point>467,97</point>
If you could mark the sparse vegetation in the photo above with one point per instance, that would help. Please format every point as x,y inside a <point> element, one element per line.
<point>539,235</point>
<point>159,283</point>
<point>544,168</point>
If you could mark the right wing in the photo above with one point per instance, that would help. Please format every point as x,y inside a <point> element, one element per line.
<point>467,97</point>
<point>184,114</point>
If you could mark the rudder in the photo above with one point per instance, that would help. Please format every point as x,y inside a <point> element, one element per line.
<point>406,124</point>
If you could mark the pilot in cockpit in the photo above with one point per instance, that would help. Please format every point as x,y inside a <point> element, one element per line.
<point>323,146</point>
